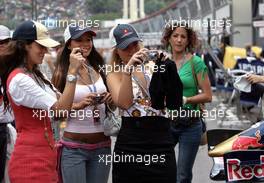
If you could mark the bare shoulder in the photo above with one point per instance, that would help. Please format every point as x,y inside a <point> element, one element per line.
<point>114,77</point>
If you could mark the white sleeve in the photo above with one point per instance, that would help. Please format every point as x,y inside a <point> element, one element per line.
<point>26,92</point>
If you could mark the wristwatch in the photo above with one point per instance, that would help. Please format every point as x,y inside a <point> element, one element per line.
<point>71,78</point>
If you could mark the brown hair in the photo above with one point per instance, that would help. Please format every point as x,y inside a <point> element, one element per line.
<point>191,35</point>
<point>13,57</point>
<point>63,62</point>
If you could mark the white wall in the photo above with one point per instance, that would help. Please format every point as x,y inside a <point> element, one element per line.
<point>242,20</point>
<point>221,13</point>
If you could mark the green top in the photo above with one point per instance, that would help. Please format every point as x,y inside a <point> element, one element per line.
<point>185,73</point>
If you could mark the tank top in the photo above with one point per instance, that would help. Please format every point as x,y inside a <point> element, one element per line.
<point>141,105</point>
<point>82,121</point>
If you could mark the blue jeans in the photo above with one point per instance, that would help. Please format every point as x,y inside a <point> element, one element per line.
<point>189,140</point>
<point>83,166</point>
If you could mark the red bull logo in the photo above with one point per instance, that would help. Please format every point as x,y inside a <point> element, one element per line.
<point>237,172</point>
<point>248,142</point>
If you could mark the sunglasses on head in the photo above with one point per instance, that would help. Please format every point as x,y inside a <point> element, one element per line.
<point>5,41</point>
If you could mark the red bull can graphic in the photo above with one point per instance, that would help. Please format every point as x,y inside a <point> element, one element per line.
<point>251,138</point>
<point>244,166</point>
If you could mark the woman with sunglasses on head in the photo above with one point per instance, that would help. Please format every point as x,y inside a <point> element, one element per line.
<point>145,132</point>
<point>32,97</point>
<point>83,139</point>
<point>182,40</point>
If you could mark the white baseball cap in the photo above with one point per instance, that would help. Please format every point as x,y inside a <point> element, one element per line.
<point>4,32</point>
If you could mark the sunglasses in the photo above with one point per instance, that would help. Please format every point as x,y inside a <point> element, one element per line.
<point>5,41</point>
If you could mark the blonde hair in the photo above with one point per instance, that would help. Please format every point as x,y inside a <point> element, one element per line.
<point>115,59</point>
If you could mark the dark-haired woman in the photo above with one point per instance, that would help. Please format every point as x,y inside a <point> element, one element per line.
<point>182,40</point>
<point>83,140</point>
<point>31,96</point>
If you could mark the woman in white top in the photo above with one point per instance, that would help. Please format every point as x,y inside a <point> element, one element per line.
<point>144,149</point>
<point>83,139</point>
<point>31,97</point>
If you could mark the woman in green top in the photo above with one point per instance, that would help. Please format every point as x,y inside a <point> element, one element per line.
<point>182,40</point>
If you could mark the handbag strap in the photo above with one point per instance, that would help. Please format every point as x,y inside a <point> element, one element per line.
<point>112,112</point>
<point>140,84</point>
<point>195,80</point>
<point>109,108</point>
<point>194,76</point>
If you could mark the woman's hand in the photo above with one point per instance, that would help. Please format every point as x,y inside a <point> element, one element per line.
<point>107,98</point>
<point>76,60</point>
<point>86,101</point>
<point>138,58</point>
<point>252,78</point>
<point>162,55</point>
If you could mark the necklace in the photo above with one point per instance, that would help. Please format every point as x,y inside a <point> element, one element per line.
<point>96,117</point>
<point>34,77</point>
<point>46,135</point>
<point>38,81</point>
<point>88,70</point>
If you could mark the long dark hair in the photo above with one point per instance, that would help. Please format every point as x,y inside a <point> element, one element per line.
<point>15,56</point>
<point>63,62</point>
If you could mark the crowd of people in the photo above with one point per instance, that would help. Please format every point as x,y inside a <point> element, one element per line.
<point>20,10</point>
<point>143,97</point>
